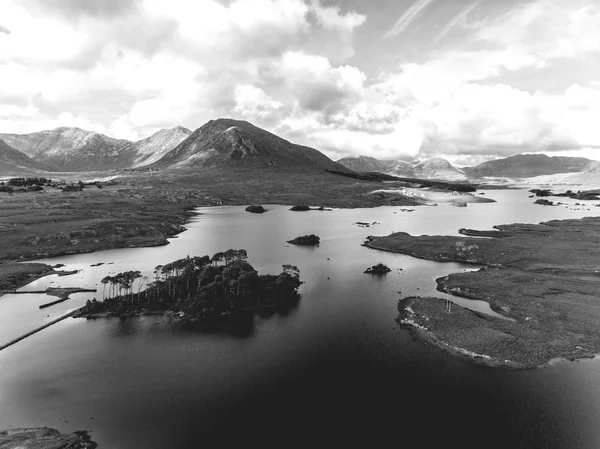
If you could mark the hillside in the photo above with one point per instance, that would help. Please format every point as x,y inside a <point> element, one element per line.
<point>69,149</point>
<point>363,164</point>
<point>12,160</point>
<point>227,142</point>
<point>151,149</point>
<point>528,165</point>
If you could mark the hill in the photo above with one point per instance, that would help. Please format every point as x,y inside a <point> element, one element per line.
<point>69,149</point>
<point>12,160</point>
<point>227,142</point>
<point>528,165</point>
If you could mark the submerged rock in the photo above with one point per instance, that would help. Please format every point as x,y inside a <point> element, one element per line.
<point>306,240</point>
<point>300,208</point>
<point>255,209</point>
<point>458,204</point>
<point>378,269</point>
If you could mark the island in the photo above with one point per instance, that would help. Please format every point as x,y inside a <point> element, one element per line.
<point>256,209</point>
<point>196,288</point>
<point>306,240</point>
<point>379,269</point>
<point>543,278</point>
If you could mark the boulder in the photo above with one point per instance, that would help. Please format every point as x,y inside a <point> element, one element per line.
<point>543,202</point>
<point>306,240</point>
<point>256,209</point>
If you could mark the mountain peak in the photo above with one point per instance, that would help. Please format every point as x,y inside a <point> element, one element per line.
<point>226,141</point>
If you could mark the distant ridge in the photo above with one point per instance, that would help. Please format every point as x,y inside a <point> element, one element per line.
<point>228,142</point>
<point>68,149</point>
<point>12,160</point>
<point>434,168</point>
<point>528,166</point>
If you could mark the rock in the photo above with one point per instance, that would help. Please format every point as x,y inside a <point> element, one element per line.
<point>256,209</point>
<point>306,240</point>
<point>378,269</point>
<point>44,438</point>
<point>300,208</point>
<point>458,204</point>
<point>543,202</point>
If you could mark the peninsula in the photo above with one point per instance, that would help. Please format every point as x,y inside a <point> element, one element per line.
<point>545,277</point>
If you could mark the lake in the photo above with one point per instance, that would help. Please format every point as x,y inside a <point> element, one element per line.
<point>334,367</point>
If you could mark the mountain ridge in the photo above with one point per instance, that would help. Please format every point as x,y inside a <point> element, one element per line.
<point>528,166</point>
<point>68,149</point>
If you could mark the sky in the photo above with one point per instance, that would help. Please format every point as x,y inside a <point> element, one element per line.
<point>468,80</point>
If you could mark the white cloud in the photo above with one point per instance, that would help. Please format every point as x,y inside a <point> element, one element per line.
<point>408,17</point>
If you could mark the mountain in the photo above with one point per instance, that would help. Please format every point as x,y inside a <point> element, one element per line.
<point>400,168</point>
<point>12,160</point>
<point>528,165</point>
<point>365,164</point>
<point>227,142</point>
<point>151,149</point>
<point>435,168</point>
<point>69,149</point>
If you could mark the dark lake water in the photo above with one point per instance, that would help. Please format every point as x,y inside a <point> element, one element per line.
<point>335,368</point>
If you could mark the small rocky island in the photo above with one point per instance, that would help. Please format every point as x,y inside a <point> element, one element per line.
<point>300,208</point>
<point>197,288</point>
<point>256,209</point>
<point>379,269</point>
<point>545,278</point>
<point>306,240</point>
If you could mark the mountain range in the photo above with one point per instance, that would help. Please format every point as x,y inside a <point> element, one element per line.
<point>228,142</point>
<point>529,165</point>
<point>221,142</point>
<point>520,166</point>
<point>434,168</point>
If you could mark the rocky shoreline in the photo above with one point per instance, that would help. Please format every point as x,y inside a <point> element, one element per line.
<point>44,438</point>
<point>545,277</point>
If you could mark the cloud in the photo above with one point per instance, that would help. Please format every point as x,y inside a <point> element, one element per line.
<point>316,85</point>
<point>75,9</point>
<point>4,30</point>
<point>458,19</point>
<point>147,64</point>
<point>408,17</point>
<point>293,66</point>
<point>548,29</point>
